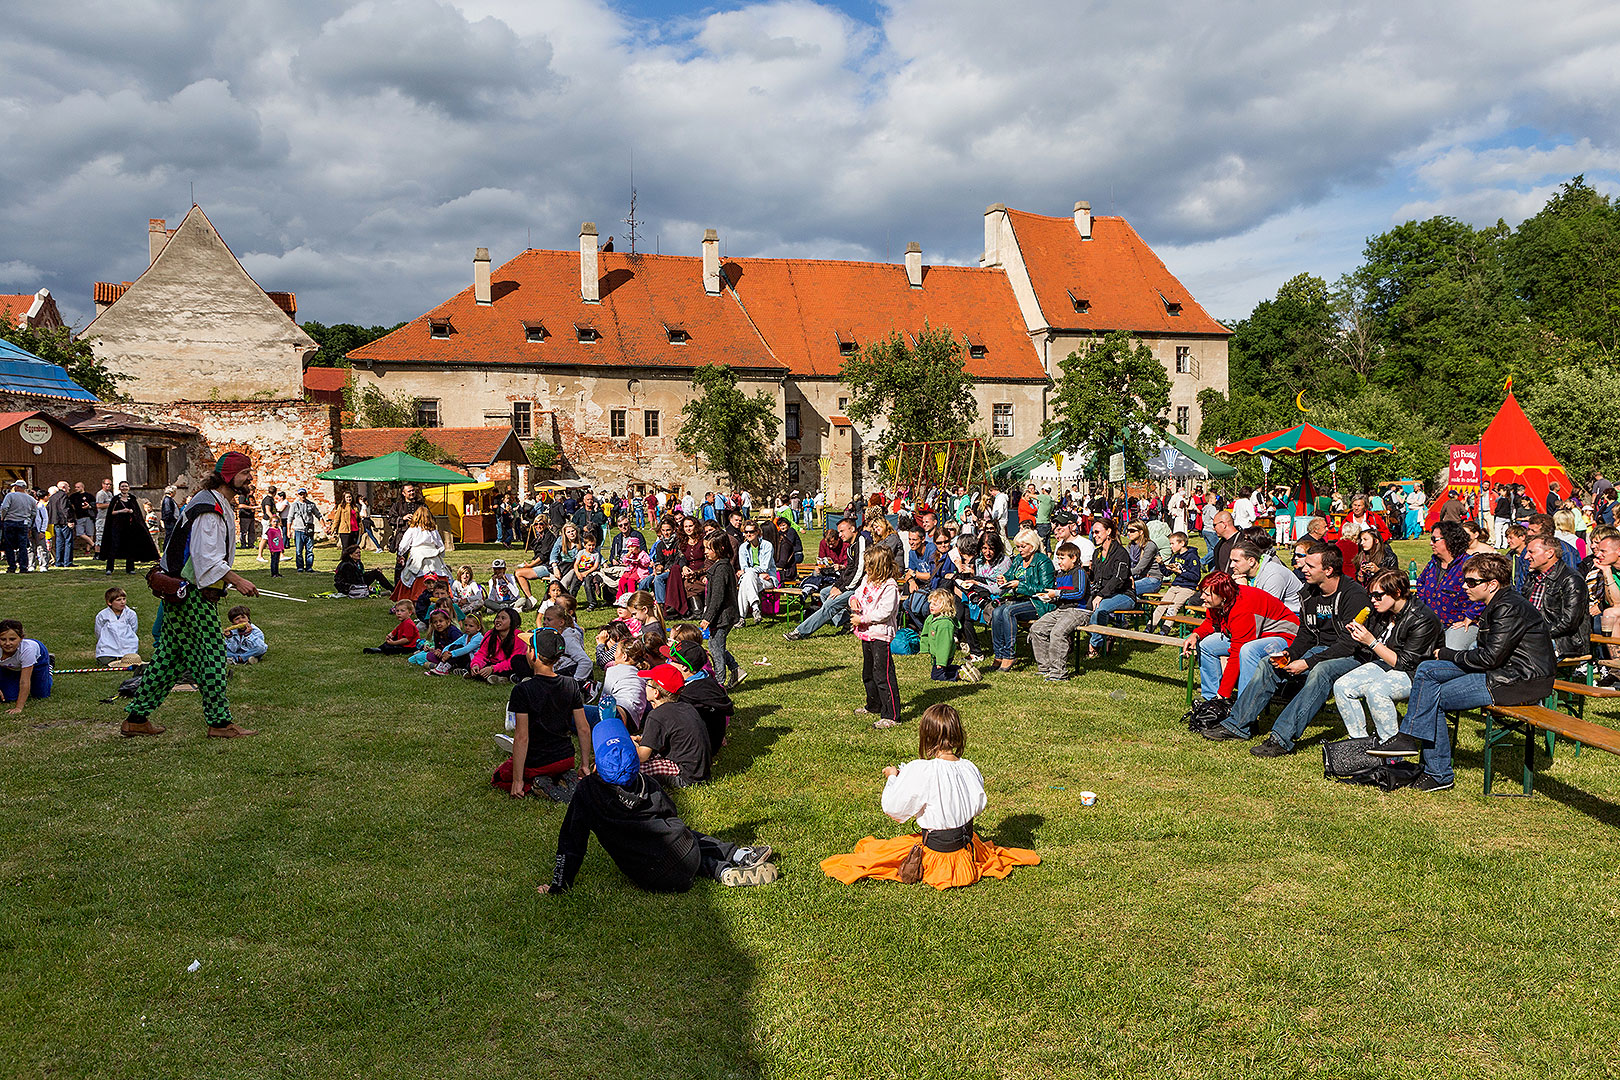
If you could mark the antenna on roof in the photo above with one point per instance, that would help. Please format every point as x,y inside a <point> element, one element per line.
<point>630,221</point>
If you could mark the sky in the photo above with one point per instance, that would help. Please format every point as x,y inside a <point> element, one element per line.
<point>357,153</point>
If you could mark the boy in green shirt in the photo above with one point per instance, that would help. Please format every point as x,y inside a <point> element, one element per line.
<point>939,639</point>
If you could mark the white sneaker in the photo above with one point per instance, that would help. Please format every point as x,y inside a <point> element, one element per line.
<point>503,743</point>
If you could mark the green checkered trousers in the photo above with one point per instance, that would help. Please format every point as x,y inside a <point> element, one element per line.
<point>192,643</point>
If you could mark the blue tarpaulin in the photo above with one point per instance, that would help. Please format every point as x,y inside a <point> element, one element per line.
<point>21,372</point>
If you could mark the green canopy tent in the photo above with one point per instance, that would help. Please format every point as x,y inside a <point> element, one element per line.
<point>1016,469</point>
<point>396,468</point>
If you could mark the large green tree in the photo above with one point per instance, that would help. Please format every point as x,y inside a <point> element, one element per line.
<point>734,435</point>
<point>918,392</point>
<point>1574,411</point>
<point>1288,343</point>
<point>1565,267</point>
<point>59,346</point>
<point>340,339</point>
<point>1114,394</point>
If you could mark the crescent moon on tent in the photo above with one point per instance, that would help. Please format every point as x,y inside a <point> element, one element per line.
<point>1299,402</point>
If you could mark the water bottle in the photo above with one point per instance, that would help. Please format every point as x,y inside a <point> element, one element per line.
<point>1411,573</point>
<point>607,706</point>
<point>511,721</point>
<point>705,633</point>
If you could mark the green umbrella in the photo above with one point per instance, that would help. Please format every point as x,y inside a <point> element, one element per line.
<point>397,468</point>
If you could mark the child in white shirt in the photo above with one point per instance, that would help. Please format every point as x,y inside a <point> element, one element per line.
<point>118,631</point>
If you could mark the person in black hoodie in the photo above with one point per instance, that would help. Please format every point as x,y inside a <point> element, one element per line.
<point>720,606</point>
<point>1400,635</point>
<point>1322,651</point>
<point>1510,664</point>
<point>635,821</point>
<point>703,692</point>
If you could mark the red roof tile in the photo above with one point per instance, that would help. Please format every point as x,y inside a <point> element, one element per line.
<point>806,308</point>
<point>1123,282</point>
<point>326,378</point>
<point>641,297</point>
<point>470,445</point>
<point>107,292</point>
<point>18,306</point>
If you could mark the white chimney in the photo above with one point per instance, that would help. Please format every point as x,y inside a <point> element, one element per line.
<point>1082,219</point>
<point>481,277</point>
<point>588,290</point>
<point>156,236</point>
<point>994,216</point>
<point>914,264</point>
<point>711,262</point>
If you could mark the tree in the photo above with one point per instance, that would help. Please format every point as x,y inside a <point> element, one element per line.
<point>1565,266</point>
<point>58,346</point>
<point>1113,394</point>
<point>1574,411</point>
<point>1286,343</point>
<point>419,445</point>
<point>544,455</point>
<point>918,394</point>
<point>340,339</point>
<point>368,407</point>
<point>731,432</point>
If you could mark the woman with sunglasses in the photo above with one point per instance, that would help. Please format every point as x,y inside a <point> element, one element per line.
<point>1400,635</point>
<point>1440,585</point>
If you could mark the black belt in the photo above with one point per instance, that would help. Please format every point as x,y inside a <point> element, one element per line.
<point>948,840</point>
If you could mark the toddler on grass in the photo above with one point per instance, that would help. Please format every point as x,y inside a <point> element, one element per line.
<point>118,631</point>
<point>244,642</point>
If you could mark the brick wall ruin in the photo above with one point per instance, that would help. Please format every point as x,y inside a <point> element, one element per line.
<point>289,441</point>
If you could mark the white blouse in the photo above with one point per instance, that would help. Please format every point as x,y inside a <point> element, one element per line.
<point>939,794</point>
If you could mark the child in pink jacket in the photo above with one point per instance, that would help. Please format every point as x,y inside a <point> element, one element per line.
<point>874,612</point>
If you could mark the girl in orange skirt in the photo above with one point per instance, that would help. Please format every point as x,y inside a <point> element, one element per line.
<point>944,792</point>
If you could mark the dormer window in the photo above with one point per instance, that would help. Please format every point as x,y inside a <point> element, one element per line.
<point>847,345</point>
<point>439,328</point>
<point>976,351</point>
<point>534,331</point>
<point>677,334</point>
<point>1171,307</point>
<point>1081,307</point>
<point>587,334</point>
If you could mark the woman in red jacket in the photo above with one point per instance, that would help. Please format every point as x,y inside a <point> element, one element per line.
<point>1242,622</point>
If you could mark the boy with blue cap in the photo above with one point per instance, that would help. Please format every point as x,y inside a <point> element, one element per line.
<point>636,822</point>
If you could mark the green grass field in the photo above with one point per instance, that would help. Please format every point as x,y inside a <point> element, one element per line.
<point>362,901</point>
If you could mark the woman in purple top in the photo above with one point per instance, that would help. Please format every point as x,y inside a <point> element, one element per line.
<point>1440,586</point>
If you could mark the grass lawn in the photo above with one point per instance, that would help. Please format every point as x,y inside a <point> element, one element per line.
<point>362,901</point>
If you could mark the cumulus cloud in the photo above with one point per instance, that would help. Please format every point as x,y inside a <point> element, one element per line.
<point>357,151</point>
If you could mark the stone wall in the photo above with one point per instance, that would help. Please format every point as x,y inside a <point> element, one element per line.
<point>289,441</point>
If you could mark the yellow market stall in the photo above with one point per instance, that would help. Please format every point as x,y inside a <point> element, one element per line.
<point>469,509</point>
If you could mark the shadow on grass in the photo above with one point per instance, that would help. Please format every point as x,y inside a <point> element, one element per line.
<point>755,679</point>
<point>1019,830</point>
<point>946,692</point>
<point>746,740</point>
<point>1508,763</point>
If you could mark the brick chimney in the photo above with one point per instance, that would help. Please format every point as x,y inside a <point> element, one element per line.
<point>995,216</point>
<point>157,235</point>
<point>481,277</point>
<point>1082,219</point>
<point>711,262</point>
<point>914,264</point>
<point>588,288</point>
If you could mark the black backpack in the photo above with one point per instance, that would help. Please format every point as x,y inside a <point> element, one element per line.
<point>1348,762</point>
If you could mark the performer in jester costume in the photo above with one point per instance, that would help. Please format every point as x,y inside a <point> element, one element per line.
<point>202,552</point>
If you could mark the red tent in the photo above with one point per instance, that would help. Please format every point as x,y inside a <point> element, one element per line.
<point>1512,453</point>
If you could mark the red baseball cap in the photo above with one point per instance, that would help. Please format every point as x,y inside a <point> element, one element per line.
<point>667,676</point>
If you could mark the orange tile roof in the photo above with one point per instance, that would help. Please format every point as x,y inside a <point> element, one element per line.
<point>470,445</point>
<point>641,297</point>
<point>286,301</point>
<point>806,307</point>
<point>1123,281</point>
<point>107,292</point>
<point>326,378</point>
<point>18,306</point>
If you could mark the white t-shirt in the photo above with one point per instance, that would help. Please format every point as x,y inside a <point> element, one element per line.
<point>27,655</point>
<point>1243,513</point>
<point>628,691</point>
<point>117,635</point>
<point>939,794</point>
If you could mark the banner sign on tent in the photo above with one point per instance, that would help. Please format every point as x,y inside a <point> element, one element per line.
<point>1464,467</point>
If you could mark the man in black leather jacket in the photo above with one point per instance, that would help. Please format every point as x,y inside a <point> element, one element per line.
<point>1510,664</point>
<point>1560,596</point>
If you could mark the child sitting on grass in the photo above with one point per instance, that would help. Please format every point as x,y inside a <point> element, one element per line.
<point>702,690</point>
<point>25,666</point>
<point>644,610</point>
<point>502,590</point>
<point>501,658</point>
<point>554,590</point>
<point>550,713</point>
<point>467,593</point>
<point>244,642</point>
<point>939,639</point>
<point>575,661</point>
<point>458,657</point>
<point>404,636</point>
<point>674,744</point>
<point>442,636</point>
<point>118,631</point>
<point>944,792</point>
<point>622,677</point>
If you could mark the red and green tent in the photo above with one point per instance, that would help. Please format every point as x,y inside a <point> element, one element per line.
<point>1512,453</point>
<point>1302,442</point>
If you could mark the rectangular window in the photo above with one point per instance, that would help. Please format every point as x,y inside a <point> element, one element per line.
<point>976,351</point>
<point>649,423</point>
<point>533,331</point>
<point>1001,420</point>
<point>157,466</point>
<point>843,405</point>
<point>678,336</point>
<point>522,419</point>
<point>427,412</point>
<point>792,425</point>
<point>1183,360</point>
<point>793,470</point>
<point>439,328</point>
<point>1183,419</point>
<point>587,335</point>
<point>616,423</point>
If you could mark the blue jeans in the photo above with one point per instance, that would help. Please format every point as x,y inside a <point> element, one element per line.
<point>1290,723</point>
<point>1145,585</point>
<point>1439,687</point>
<point>1257,695</point>
<point>1004,626</point>
<point>834,605</point>
<point>1250,657</point>
<point>15,537</point>
<point>721,660</point>
<point>64,545</point>
<point>1209,553</point>
<point>660,585</point>
<point>304,550</point>
<point>1102,609</point>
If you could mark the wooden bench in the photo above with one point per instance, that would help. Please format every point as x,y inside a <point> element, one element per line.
<point>1502,722</point>
<point>788,600</point>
